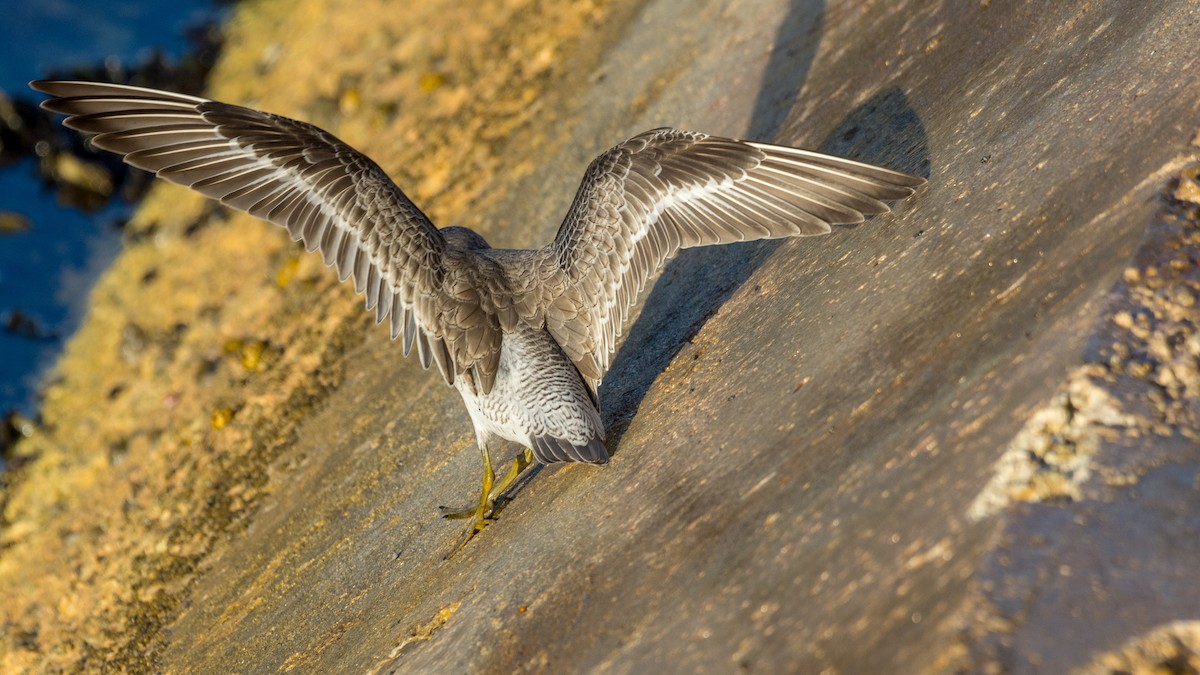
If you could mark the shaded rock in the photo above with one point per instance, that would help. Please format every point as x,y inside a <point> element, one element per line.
<point>19,323</point>
<point>13,223</point>
<point>1114,556</point>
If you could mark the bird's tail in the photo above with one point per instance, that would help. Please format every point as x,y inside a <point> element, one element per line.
<point>549,450</point>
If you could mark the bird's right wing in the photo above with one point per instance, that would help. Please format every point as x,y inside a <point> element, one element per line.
<point>664,190</point>
<point>323,191</point>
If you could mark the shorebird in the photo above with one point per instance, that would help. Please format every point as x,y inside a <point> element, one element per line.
<point>525,336</point>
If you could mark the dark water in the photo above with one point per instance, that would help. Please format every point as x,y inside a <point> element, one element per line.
<point>47,270</point>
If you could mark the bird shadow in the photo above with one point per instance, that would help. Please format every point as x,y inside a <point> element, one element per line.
<point>884,130</point>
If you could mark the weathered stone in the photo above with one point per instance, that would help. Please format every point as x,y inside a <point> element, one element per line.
<point>799,429</point>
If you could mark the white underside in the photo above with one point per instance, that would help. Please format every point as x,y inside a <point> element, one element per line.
<point>537,392</point>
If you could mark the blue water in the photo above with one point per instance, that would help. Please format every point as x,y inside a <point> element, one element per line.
<point>47,271</point>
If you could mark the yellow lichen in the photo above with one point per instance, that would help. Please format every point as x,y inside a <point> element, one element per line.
<point>85,579</point>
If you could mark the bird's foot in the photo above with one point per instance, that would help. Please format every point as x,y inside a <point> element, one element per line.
<point>495,499</point>
<point>490,502</point>
<point>480,511</point>
<point>458,512</point>
<point>475,529</point>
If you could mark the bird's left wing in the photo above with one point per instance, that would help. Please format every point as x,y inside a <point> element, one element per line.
<point>323,191</point>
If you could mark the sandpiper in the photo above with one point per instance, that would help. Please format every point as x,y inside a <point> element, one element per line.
<point>525,336</point>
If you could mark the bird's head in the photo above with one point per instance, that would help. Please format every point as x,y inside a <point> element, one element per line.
<point>464,238</point>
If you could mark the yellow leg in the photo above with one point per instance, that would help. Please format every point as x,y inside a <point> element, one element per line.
<point>487,509</point>
<point>518,467</point>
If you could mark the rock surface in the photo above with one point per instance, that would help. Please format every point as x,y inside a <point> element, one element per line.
<point>960,437</point>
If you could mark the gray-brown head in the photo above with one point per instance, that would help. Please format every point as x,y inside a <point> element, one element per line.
<point>464,238</point>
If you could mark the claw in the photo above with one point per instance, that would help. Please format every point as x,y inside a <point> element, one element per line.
<point>457,512</point>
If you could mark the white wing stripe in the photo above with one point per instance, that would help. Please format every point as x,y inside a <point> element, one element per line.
<point>842,177</point>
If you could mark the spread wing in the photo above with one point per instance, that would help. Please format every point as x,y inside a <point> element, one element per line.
<point>665,190</point>
<point>323,191</point>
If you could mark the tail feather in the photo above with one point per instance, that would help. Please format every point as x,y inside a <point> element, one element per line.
<point>548,450</point>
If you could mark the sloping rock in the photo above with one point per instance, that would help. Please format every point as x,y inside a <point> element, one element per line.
<point>818,445</point>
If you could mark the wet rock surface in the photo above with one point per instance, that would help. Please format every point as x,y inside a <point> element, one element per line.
<point>80,175</point>
<point>63,203</point>
<point>960,437</point>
